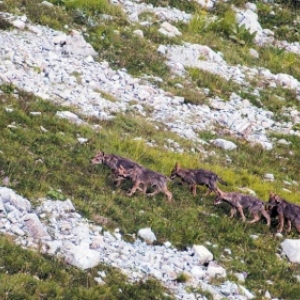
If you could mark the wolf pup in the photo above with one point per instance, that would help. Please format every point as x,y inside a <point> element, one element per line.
<point>286,211</point>
<point>239,202</point>
<point>113,162</point>
<point>194,177</point>
<point>146,178</point>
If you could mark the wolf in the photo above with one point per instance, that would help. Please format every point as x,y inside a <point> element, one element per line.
<point>194,177</point>
<point>239,202</point>
<point>114,162</point>
<point>286,211</point>
<point>146,178</point>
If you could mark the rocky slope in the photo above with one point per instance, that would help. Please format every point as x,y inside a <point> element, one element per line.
<point>62,68</point>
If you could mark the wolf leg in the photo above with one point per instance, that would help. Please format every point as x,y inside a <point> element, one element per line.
<point>232,212</point>
<point>134,188</point>
<point>240,209</point>
<point>267,216</point>
<point>281,223</point>
<point>193,189</point>
<point>289,227</point>
<point>255,218</point>
<point>208,192</point>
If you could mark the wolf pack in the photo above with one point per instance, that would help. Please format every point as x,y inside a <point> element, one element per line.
<point>144,179</point>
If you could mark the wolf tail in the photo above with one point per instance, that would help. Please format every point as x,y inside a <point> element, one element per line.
<point>222,181</point>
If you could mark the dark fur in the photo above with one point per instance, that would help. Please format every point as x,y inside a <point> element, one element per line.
<point>194,177</point>
<point>239,202</point>
<point>286,211</point>
<point>114,162</point>
<point>146,178</point>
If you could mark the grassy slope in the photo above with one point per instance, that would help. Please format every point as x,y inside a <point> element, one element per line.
<point>56,160</point>
<point>66,165</point>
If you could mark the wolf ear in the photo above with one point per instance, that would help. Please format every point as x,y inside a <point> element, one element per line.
<point>277,198</point>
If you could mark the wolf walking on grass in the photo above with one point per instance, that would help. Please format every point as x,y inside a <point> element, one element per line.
<point>239,202</point>
<point>146,178</point>
<point>194,177</point>
<point>114,162</point>
<point>286,212</point>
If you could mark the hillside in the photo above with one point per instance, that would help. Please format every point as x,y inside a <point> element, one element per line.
<point>213,85</point>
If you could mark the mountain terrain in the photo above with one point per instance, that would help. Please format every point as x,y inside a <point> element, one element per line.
<point>206,84</point>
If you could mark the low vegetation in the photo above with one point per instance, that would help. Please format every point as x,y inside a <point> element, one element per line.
<point>55,164</point>
<point>56,161</point>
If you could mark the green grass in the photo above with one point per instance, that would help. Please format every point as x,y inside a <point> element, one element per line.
<point>282,20</point>
<point>118,45</point>
<point>54,163</point>
<point>217,85</point>
<point>55,160</point>
<point>25,274</point>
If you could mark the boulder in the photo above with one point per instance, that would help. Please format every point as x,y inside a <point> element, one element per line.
<point>35,228</point>
<point>215,271</point>
<point>147,235</point>
<point>292,250</point>
<point>226,145</point>
<point>169,30</point>
<point>82,257</point>
<point>203,254</point>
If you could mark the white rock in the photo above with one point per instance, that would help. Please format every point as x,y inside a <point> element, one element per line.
<point>287,81</point>
<point>203,254</point>
<point>70,116</point>
<point>245,292</point>
<point>226,145</point>
<point>138,32</point>
<point>269,177</point>
<point>254,236</point>
<point>19,24</point>
<point>8,195</point>
<point>240,276</point>
<point>215,271</point>
<point>249,19</point>
<point>292,250</point>
<point>97,242</point>
<point>17,230</point>
<point>46,3</point>
<point>82,140</point>
<point>99,280</point>
<point>169,30</point>
<point>82,257</point>
<point>283,142</point>
<point>162,49</point>
<point>253,53</point>
<point>81,231</point>
<point>267,295</point>
<point>198,272</point>
<point>60,39</point>
<point>35,227</point>
<point>251,6</point>
<point>53,246</point>
<point>147,235</point>
<point>167,244</point>
<point>208,4</point>
<point>35,113</point>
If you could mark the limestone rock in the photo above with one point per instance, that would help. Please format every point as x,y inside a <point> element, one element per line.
<point>292,250</point>
<point>203,254</point>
